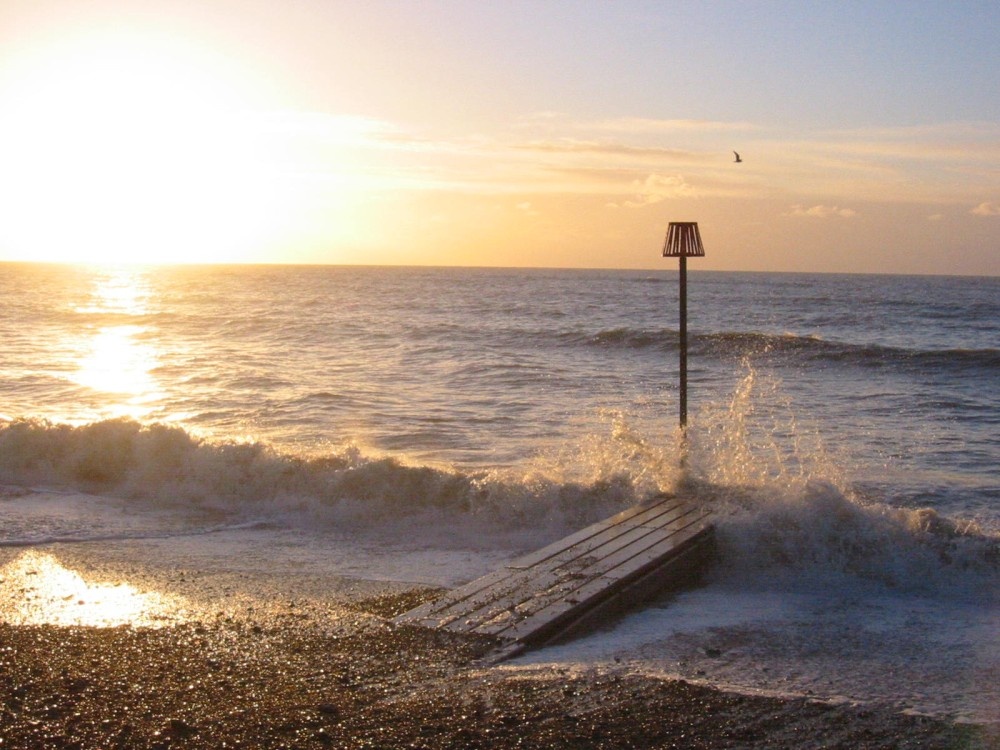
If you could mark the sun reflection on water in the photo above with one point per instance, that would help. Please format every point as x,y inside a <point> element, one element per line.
<point>113,360</point>
<point>122,290</point>
<point>117,363</point>
<point>36,589</point>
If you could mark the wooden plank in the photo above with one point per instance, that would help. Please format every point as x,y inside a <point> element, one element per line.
<point>627,563</point>
<point>521,588</point>
<point>509,599</point>
<point>625,560</point>
<point>501,591</point>
<point>565,584</point>
<point>607,540</point>
<point>566,618</point>
<point>582,598</point>
<point>619,563</point>
<point>484,591</point>
<point>625,519</point>
<point>464,598</point>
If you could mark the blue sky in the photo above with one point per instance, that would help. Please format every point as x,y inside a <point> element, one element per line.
<point>515,133</point>
<point>809,64</point>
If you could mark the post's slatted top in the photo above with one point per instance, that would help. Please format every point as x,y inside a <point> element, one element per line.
<point>683,240</point>
<point>536,592</point>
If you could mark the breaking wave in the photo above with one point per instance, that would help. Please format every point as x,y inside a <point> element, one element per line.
<point>170,468</point>
<point>778,517</point>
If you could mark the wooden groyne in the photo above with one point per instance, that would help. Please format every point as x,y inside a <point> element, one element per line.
<point>578,582</point>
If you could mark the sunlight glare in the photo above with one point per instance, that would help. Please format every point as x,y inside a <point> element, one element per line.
<point>117,363</point>
<point>120,290</point>
<point>114,361</point>
<point>124,152</point>
<point>39,590</point>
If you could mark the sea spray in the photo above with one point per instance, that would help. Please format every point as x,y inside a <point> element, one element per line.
<point>786,510</point>
<point>759,438</point>
<point>620,453</point>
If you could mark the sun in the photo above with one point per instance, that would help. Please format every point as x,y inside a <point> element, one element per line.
<point>135,150</point>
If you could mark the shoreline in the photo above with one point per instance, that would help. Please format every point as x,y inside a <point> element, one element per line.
<point>300,661</point>
<point>239,685</point>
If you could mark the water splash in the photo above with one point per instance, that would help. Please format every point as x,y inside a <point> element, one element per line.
<point>787,510</point>
<point>759,440</point>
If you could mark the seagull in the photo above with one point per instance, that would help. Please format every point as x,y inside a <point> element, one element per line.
<point>738,160</point>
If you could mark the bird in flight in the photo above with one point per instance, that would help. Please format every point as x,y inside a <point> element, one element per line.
<point>738,160</point>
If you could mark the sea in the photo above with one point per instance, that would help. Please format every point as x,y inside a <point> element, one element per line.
<point>426,425</point>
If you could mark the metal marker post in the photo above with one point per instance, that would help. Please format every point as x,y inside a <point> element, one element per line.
<point>683,242</point>
<point>683,335</point>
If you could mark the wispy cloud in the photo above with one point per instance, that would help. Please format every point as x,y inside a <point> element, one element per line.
<point>986,208</point>
<point>647,125</point>
<point>941,163</point>
<point>636,125</point>
<point>822,212</point>
<point>527,208</point>
<point>642,161</point>
<point>611,149</point>
<point>657,188</point>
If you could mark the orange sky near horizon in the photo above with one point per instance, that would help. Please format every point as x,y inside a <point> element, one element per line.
<point>528,136</point>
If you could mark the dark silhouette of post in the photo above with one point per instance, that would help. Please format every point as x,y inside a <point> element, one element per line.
<point>683,242</point>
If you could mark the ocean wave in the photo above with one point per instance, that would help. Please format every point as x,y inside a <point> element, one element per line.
<point>174,469</point>
<point>740,344</point>
<point>817,533</point>
<point>626,338</point>
<point>770,529</point>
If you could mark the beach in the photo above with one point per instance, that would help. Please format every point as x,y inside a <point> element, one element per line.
<point>283,661</point>
<point>218,484</point>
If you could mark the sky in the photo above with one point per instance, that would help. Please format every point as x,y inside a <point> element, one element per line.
<point>516,133</point>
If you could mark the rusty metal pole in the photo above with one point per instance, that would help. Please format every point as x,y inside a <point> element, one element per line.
<point>683,241</point>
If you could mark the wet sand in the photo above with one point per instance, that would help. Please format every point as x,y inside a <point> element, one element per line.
<point>274,663</point>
